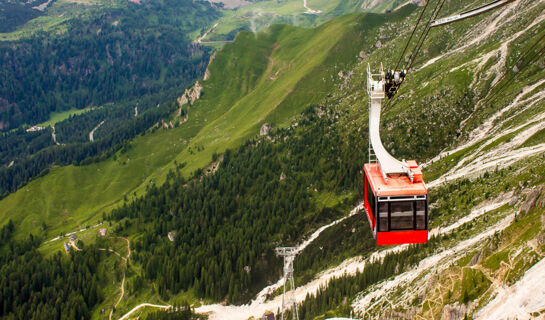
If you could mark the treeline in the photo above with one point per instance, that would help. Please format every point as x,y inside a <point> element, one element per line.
<point>59,287</point>
<point>20,144</point>
<point>226,225</point>
<point>28,167</point>
<point>76,129</point>
<point>115,54</point>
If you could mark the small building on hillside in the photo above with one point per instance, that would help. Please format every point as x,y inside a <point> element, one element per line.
<point>66,247</point>
<point>73,238</point>
<point>34,129</point>
<point>102,232</point>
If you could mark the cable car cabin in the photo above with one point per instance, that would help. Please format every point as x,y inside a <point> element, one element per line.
<point>397,209</point>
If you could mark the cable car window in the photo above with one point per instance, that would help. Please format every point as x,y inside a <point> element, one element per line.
<point>420,215</point>
<point>402,215</point>
<point>383,216</point>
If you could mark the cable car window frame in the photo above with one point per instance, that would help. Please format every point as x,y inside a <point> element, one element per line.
<point>425,226</point>
<point>371,200</point>
<point>414,199</point>
<point>380,217</point>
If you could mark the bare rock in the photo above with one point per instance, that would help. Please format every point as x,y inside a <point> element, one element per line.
<point>195,92</point>
<point>265,129</point>
<point>531,200</point>
<point>182,100</point>
<point>475,259</point>
<point>541,201</point>
<point>454,312</point>
<point>362,55</point>
<point>513,200</point>
<point>190,95</point>
<point>207,72</point>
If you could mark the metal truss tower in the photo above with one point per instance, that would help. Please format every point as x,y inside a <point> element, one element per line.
<point>288,299</point>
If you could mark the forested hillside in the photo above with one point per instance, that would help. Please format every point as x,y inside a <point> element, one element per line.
<point>108,55</point>
<point>116,61</point>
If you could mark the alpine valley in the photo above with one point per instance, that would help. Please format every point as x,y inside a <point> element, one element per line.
<point>155,153</point>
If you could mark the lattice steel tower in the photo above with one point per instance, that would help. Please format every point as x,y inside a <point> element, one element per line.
<point>289,254</point>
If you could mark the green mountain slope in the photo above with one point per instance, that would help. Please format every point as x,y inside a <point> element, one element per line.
<point>268,77</point>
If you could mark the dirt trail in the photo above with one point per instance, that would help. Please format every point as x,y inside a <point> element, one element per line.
<point>431,265</point>
<point>91,134</point>
<point>43,6</point>
<point>120,297</point>
<point>125,259</point>
<point>520,300</point>
<point>199,40</point>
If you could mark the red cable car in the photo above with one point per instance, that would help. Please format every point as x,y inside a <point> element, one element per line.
<point>396,197</point>
<point>398,209</point>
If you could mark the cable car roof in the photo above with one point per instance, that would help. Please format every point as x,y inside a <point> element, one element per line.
<point>397,185</point>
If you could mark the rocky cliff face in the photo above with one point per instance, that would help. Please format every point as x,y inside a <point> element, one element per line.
<point>190,95</point>
<point>207,72</point>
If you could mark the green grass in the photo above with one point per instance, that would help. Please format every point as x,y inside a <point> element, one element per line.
<point>474,284</point>
<point>55,117</point>
<point>535,139</point>
<point>54,24</point>
<point>494,261</point>
<point>465,260</point>
<point>58,14</point>
<point>283,75</point>
<point>69,197</point>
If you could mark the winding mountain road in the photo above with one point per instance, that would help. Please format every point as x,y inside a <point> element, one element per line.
<point>91,134</point>
<point>126,260</point>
